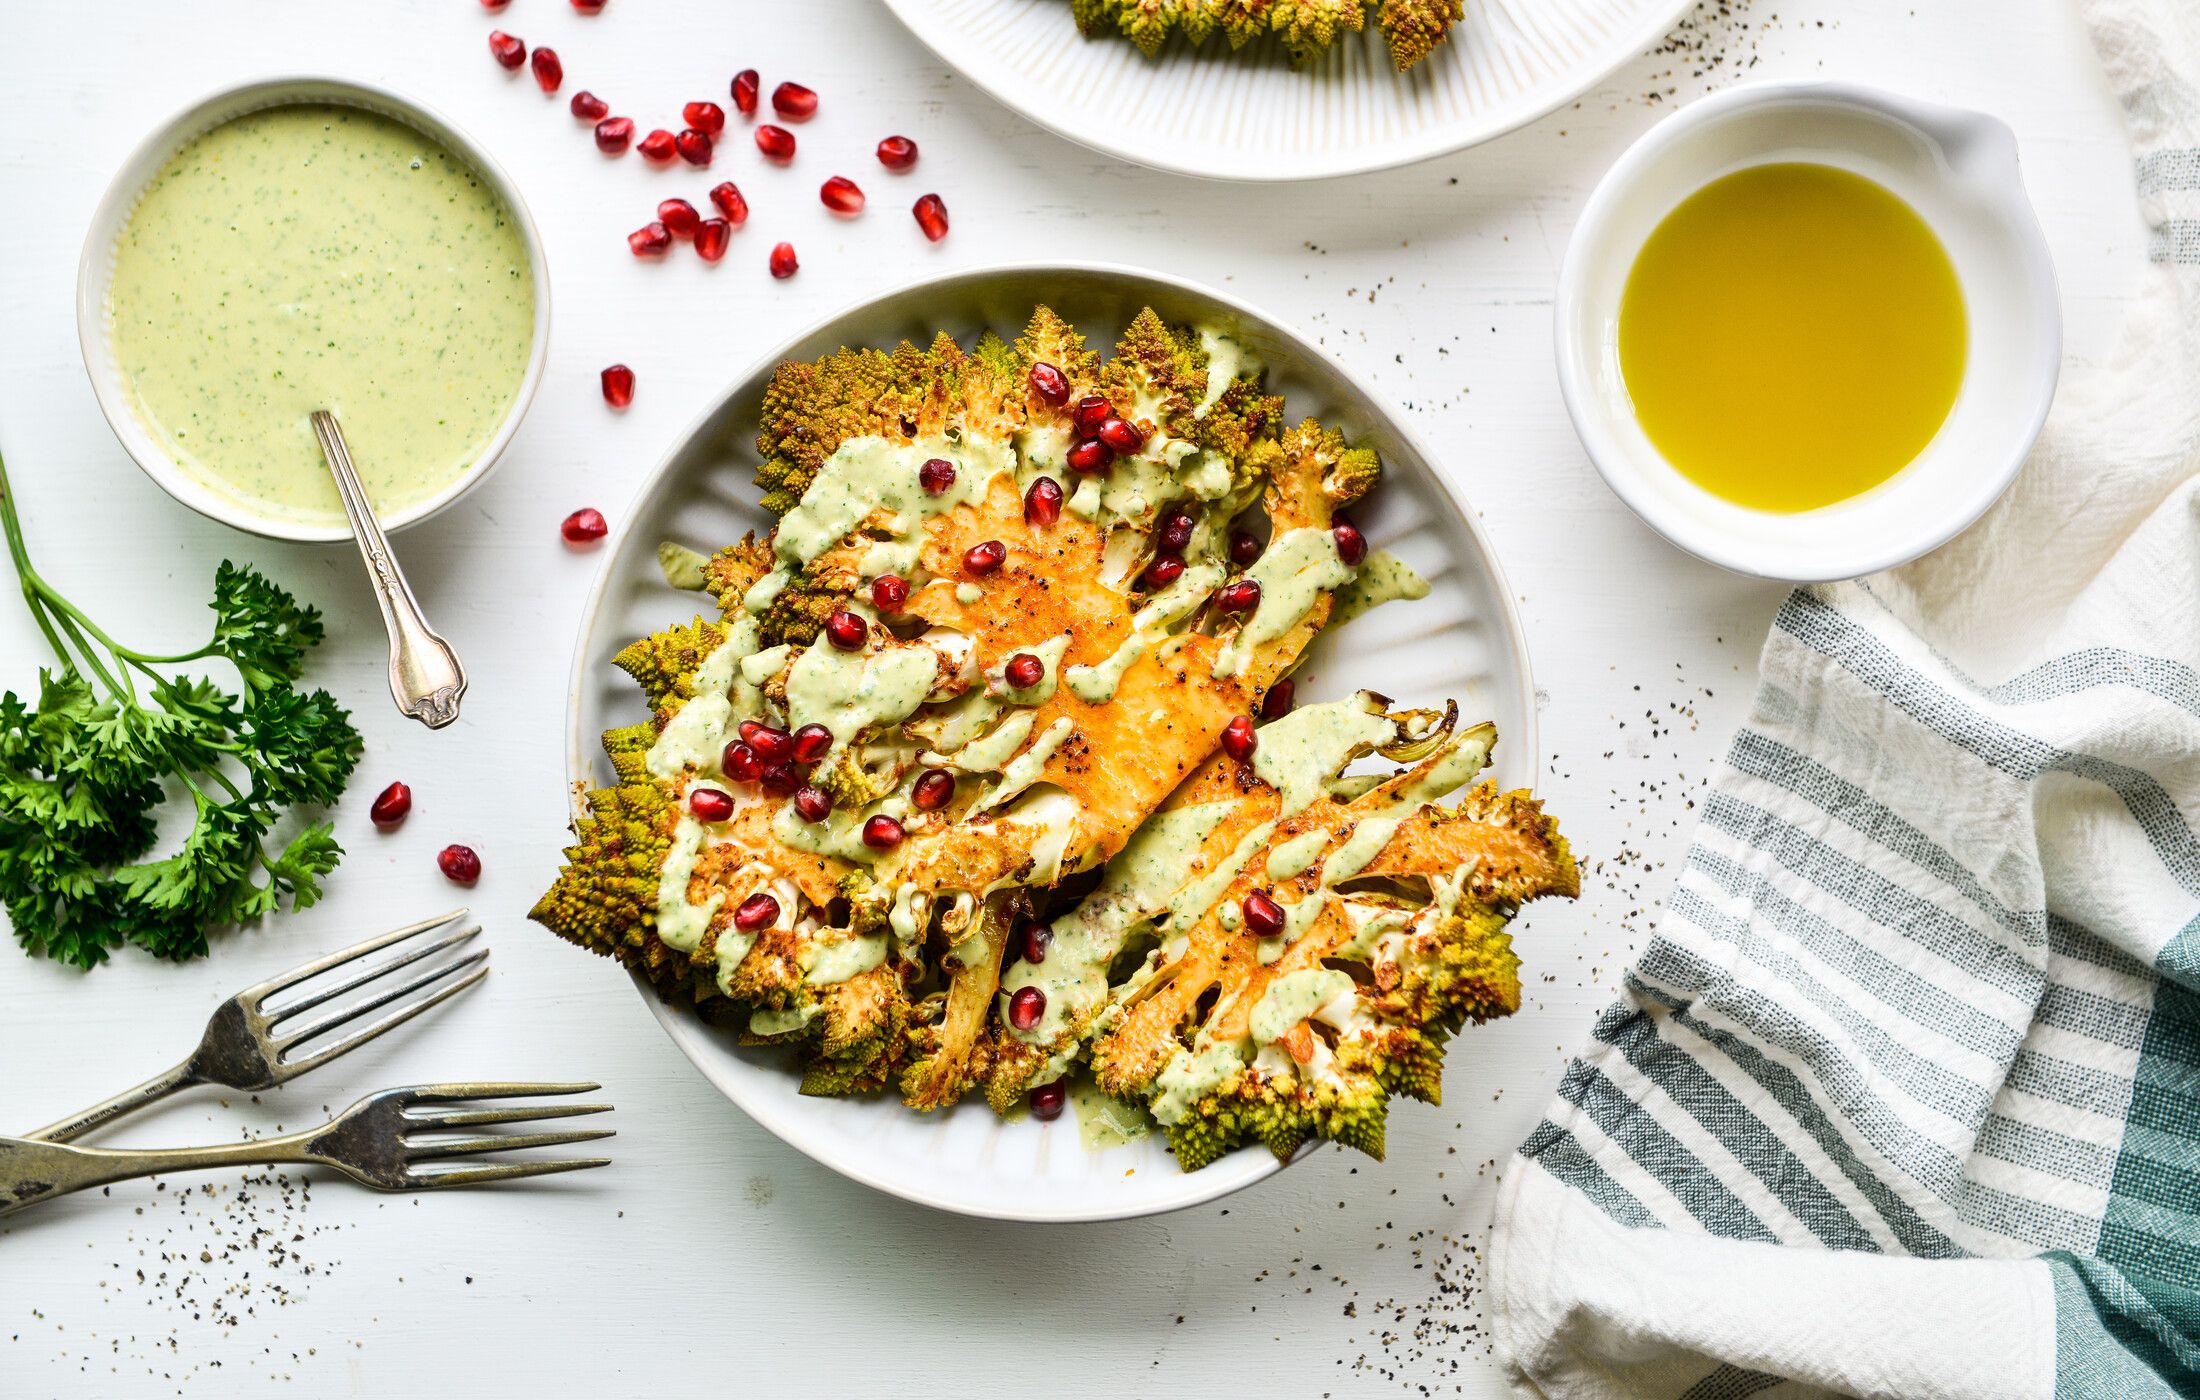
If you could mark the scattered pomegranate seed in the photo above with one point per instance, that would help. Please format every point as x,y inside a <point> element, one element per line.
<point>811,742</point>
<point>933,790</point>
<point>1043,502</point>
<point>741,763</point>
<point>508,51</point>
<point>985,558</point>
<point>459,864</point>
<point>660,145</point>
<point>679,217</point>
<point>882,833</point>
<point>1047,1101</point>
<point>618,386</point>
<point>745,84</point>
<point>1175,534</point>
<point>1263,916</point>
<point>1164,571</point>
<point>1047,382</point>
<point>773,745</point>
<point>1238,738</point>
<point>1024,671</point>
<point>776,142</point>
<point>649,240</point>
<point>1034,937</point>
<point>391,805</point>
<point>889,593</point>
<point>494,4</point>
<point>1351,544</point>
<point>755,912</point>
<point>812,804</point>
<point>1092,411</point>
<point>1244,549</point>
<point>711,237</point>
<point>1025,1007</point>
<point>1277,702</point>
<point>1242,596</point>
<point>589,7</point>
<point>549,71</point>
<point>841,195</point>
<point>694,146</point>
<point>931,212</point>
<point>585,526</point>
<point>1123,437</point>
<point>783,264</point>
<point>781,779</point>
<point>589,107</point>
<point>614,134</point>
<point>706,117</point>
<point>847,630</point>
<point>897,153</point>
<point>1091,455</point>
<point>730,203</point>
<point>710,804</point>
<point>794,102</point>
<point>936,475</point>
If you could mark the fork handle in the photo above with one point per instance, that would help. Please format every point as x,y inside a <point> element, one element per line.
<point>35,1172</point>
<point>152,1091</point>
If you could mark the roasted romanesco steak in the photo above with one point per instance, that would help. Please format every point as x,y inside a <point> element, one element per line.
<point>986,677</point>
<point>1307,28</point>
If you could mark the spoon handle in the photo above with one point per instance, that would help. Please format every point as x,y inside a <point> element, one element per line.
<point>425,676</point>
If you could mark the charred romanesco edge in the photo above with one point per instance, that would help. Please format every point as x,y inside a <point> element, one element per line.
<point>1306,28</point>
<point>605,896</point>
<point>664,663</point>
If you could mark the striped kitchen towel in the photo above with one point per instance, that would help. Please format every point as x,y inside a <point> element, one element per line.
<point>1903,1098</point>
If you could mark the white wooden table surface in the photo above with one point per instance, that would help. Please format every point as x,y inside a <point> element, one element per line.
<point>710,1256</point>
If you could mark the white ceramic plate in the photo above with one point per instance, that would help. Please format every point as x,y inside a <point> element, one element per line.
<point>1248,115</point>
<point>1463,641</point>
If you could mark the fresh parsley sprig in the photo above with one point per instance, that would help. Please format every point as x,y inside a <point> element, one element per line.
<point>113,736</point>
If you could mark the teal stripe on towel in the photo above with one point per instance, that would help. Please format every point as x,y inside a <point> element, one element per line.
<point>2118,1337</point>
<point>1561,1154</point>
<point>1636,1132</point>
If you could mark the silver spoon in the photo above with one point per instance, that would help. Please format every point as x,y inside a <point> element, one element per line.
<point>425,677</point>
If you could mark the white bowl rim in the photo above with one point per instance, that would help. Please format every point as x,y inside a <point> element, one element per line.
<point>119,201</point>
<point>1193,1188</point>
<point>1729,552</point>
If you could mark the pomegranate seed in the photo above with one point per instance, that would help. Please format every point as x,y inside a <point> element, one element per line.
<point>776,142</point>
<point>931,212</point>
<point>1047,1101</point>
<point>812,804</point>
<point>783,263</point>
<point>679,217</point>
<point>794,102</point>
<point>1263,916</point>
<point>693,146</point>
<point>1048,383</point>
<point>589,107</point>
<point>710,805</point>
<point>1043,502</point>
<point>1025,1007</point>
<point>584,526</point>
<point>889,593</point>
<point>781,779</point>
<point>1175,534</point>
<point>1242,596</point>
<point>1091,455</point>
<point>1351,544</point>
<point>744,91</point>
<point>660,145</point>
<point>391,805</point>
<point>706,117</point>
<point>1092,411</point>
<point>741,763</point>
<point>1238,738</point>
<point>841,195</point>
<point>1277,702</point>
<point>507,50</point>
<point>985,558</point>
<point>882,833</point>
<point>614,134</point>
<point>810,743</point>
<point>618,386</point>
<point>1123,437</point>
<point>1164,571</point>
<point>1034,937</point>
<point>755,912</point>
<point>710,239</point>
<point>459,863</point>
<point>847,630</point>
<point>772,745</point>
<point>897,153</point>
<point>589,7</point>
<point>1024,671</point>
<point>933,790</point>
<point>549,72</point>
<point>1244,549</point>
<point>494,4</point>
<point>649,240</point>
<point>936,475</point>
<point>730,203</point>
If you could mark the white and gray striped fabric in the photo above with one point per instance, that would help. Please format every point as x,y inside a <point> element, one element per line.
<point>1904,1096</point>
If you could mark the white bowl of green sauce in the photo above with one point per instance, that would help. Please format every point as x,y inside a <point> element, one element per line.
<point>303,243</point>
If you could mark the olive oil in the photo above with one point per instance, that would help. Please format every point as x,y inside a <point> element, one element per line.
<point>1792,335</point>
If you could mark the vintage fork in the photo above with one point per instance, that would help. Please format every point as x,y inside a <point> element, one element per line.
<point>243,1050</point>
<point>380,1141</point>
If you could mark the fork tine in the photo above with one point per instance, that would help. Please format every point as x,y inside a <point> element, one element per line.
<point>479,1117</point>
<point>501,1142</point>
<point>290,1069</point>
<point>461,1093</point>
<point>475,1176</point>
<point>280,980</point>
<point>380,969</point>
<point>345,1015</point>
